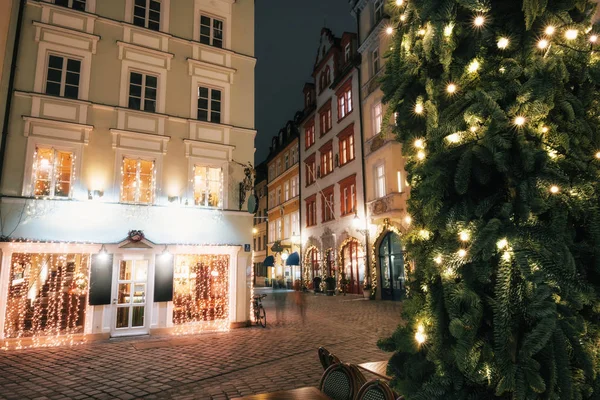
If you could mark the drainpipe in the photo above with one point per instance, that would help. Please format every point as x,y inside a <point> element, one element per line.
<point>11,84</point>
<point>362,150</point>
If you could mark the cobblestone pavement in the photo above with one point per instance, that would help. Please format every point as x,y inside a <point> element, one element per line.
<point>207,366</point>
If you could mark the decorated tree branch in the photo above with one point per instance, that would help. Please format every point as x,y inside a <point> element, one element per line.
<point>497,108</point>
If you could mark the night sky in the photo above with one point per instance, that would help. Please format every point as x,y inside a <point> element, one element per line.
<point>287,36</point>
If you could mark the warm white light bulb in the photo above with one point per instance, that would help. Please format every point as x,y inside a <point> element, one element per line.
<point>419,143</point>
<point>462,253</point>
<point>408,219</point>
<point>421,155</point>
<point>473,129</point>
<point>448,30</point>
<point>503,43</point>
<point>571,34</point>
<point>594,38</point>
<point>438,260</point>
<point>403,17</point>
<point>464,236</point>
<point>502,243</point>
<point>421,32</point>
<point>399,2</point>
<point>451,88</point>
<point>474,66</point>
<point>453,138</point>
<point>554,189</point>
<point>389,30</point>
<point>598,155</point>
<point>549,30</point>
<point>479,21</point>
<point>545,129</point>
<point>424,234</point>
<point>506,256</point>
<point>420,336</point>
<point>520,120</point>
<point>543,44</point>
<point>419,108</point>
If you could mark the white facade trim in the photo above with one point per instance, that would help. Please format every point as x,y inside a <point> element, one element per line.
<point>120,154</point>
<point>128,66</point>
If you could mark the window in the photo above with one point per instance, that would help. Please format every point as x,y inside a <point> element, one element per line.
<point>287,227</point>
<point>74,4</point>
<point>375,61</point>
<point>209,105</point>
<point>272,231</point>
<point>211,31</point>
<point>327,204</point>
<point>325,118</point>
<point>146,13</point>
<point>399,177</point>
<point>311,171</point>
<point>348,195</point>
<point>325,79</point>
<point>254,244</point>
<point>264,242</point>
<point>295,223</point>
<point>278,195</point>
<point>62,78</point>
<point>52,172</point>
<point>326,159</point>
<point>345,102</point>
<point>286,190</point>
<point>278,229</point>
<point>271,172</point>
<point>294,156</point>
<point>208,183</point>
<point>347,51</point>
<point>294,186</point>
<point>142,91</point>
<point>378,117</point>
<point>287,161</point>
<point>346,142</point>
<point>309,134</point>
<point>307,100</point>
<point>378,10</point>
<point>311,211</point>
<point>380,181</point>
<point>278,167</point>
<point>137,184</point>
<point>272,200</point>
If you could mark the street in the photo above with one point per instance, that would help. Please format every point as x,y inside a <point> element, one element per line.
<point>206,366</point>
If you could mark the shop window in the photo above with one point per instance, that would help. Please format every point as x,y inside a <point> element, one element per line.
<point>200,291</point>
<point>137,181</point>
<point>47,295</point>
<point>353,266</point>
<point>146,13</point>
<point>209,105</point>
<point>52,172</point>
<point>142,91</point>
<point>208,186</point>
<point>211,31</point>
<point>62,76</point>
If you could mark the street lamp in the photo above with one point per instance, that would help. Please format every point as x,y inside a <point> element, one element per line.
<point>284,256</point>
<point>357,224</point>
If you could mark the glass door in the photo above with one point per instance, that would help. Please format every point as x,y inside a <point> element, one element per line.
<point>131,296</point>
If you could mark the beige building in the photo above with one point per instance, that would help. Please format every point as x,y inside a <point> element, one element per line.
<point>262,274</point>
<point>9,10</point>
<point>386,187</point>
<point>131,125</point>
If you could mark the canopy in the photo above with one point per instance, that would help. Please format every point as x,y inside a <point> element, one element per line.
<point>269,261</point>
<point>293,259</point>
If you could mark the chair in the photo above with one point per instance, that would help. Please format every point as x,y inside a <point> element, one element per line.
<point>339,382</point>
<point>358,375</point>
<point>326,358</point>
<point>376,390</point>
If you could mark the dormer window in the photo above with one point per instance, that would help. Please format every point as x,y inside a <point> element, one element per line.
<point>347,51</point>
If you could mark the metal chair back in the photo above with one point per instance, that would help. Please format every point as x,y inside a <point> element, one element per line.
<point>339,382</point>
<point>376,390</point>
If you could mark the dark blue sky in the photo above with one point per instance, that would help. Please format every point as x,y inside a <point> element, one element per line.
<point>287,36</point>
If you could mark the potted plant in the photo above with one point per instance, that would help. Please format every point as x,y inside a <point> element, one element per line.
<point>330,284</point>
<point>367,291</point>
<point>317,284</point>
<point>344,283</point>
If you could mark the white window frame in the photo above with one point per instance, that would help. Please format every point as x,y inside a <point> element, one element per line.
<point>378,9</point>
<point>144,76</point>
<point>76,148</point>
<point>203,162</point>
<point>271,238</point>
<point>224,13</point>
<point>212,30</point>
<point>375,61</point>
<point>295,223</point>
<point>286,190</point>
<point>161,91</point>
<point>278,229</point>
<point>294,187</point>
<point>380,184</point>
<point>377,118</point>
<point>223,187</point>
<point>63,77</point>
<point>278,195</point>
<point>222,101</point>
<point>165,6</point>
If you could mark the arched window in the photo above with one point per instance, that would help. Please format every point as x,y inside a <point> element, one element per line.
<point>353,264</point>
<point>314,264</point>
<point>391,267</point>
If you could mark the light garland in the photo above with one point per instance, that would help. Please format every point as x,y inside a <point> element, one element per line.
<point>503,43</point>
<point>420,335</point>
<point>549,30</point>
<point>571,34</point>
<point>479,21</point>
<point>554,189</point>
<point>473,66</point>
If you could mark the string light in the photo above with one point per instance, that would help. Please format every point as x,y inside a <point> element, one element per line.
<point>462,253</point>
<point>421,32</point>
<point>502,244</point>
<point>464,236</point>
<point>545,129</point>
<point>421,155</point>
<point>399,2</point>
<point>554,189</point>
<point>403,17</point>
<point>408,219</point>
<point>389,30</point>
<point>420,336</point>
<point>506,256</point>
<point>451,88</point>
<point>598,155</point>
<point>424,234</point>
<point>419,108</point>
<point>543,44</point>
<point>473,129</point>
<point>473,66</point>
<point>438,259</point>
<point>519,120</point>
<point>594,38</point>
<point>448,30</point>
<point>453,138</point>
<point>479,21</point>
<point>549,30</point>
<point>571,34</point>
<point>419,144</point>
<point>503,43</point>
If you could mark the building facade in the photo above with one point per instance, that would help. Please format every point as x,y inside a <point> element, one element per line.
<point>131,129</point>
<point>9,10</point>
<point>386,186</point>
<point>262,274</point>
<point>283,236</point>
<point>331,154</point>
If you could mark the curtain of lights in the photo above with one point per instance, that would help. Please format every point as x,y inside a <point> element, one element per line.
<point>47,295</point>
<point>201,291</point>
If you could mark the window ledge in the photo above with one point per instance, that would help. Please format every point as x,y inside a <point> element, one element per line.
<point>345,116</point>
<point>346,163</point>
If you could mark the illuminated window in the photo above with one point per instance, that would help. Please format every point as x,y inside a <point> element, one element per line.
<point>142,91</point>
<point>380,181</point>
<point>74,4</point>
<point>208,184</point>
<point>345,102</point>
<point>327,204</point>
<point>62,77</point>
<point>348,195</point>
<point>287,227</point>
<point>375,61</point>
<point>286,191</point>
<point>378,117</point>
<point>209,105</point>
<point>211,31</point>
<point>137,185</point>
<point>325,119</point>
<point>309,134</point>
<point>326,159</point>
<point>52,172</point>
<point>296,223</point>
<point>311,211</point>
<point>295,186</point>
<point>146,13</point>
<point>346,143</point>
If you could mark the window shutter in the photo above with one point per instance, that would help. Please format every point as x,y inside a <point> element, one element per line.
<point>101,280</point>
<point>163,279</point>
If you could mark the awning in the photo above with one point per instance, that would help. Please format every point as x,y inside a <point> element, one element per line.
<point>269,261</point>
<point>293,259</point>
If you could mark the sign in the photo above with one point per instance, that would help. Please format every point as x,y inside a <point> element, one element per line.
<point>247,248</point>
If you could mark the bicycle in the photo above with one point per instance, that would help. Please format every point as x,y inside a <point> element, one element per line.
<point>260,315</point>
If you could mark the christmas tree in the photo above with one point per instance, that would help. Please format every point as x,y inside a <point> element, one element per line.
<point>497,106</point>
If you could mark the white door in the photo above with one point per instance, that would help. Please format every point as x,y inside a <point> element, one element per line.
<point>130,298</point>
